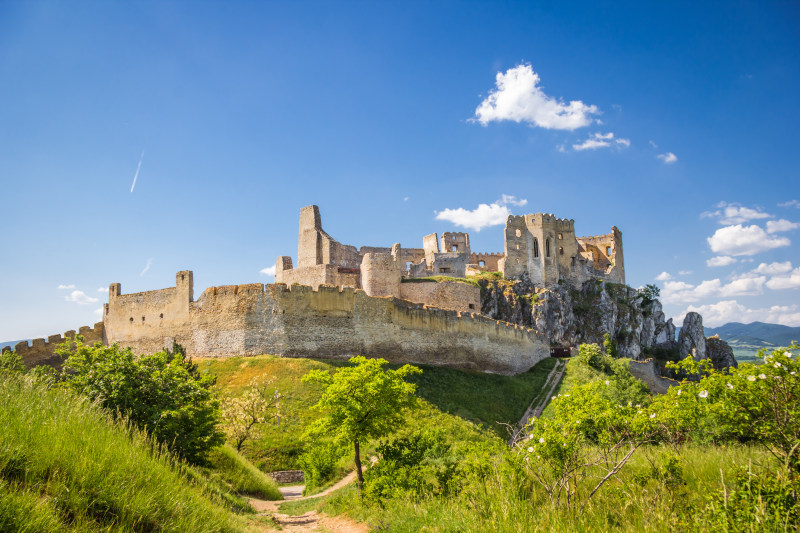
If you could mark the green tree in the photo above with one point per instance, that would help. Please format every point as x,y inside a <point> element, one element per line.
<point>362,401</point>
<point>163,393</point>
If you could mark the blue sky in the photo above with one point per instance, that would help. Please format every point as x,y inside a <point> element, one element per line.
<point>676,122</point>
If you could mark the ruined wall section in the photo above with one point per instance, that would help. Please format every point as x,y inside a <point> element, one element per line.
<point>43,351</point>
<point>604,258</point>
<point>490,262</point>
<point>455,242</point>
<point>381,272</point>
<point>298,321</point>
<point>453,295</point>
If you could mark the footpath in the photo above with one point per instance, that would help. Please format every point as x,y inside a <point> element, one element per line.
<point>311,521</point>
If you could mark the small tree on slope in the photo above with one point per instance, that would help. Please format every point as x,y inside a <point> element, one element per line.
<point>362,401</point>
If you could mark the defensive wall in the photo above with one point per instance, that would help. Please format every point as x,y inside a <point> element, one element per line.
<point>43,351</point>
<point>330,322</point>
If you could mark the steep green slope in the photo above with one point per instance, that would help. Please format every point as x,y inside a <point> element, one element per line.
<point>67,466</point>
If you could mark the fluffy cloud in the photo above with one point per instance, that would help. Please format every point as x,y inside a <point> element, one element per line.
<point>519,97</point>
<point>787,281</point>
<point>601,140</point>
<point>664,276</point>
<point>731,311</point>
<point>772,269</point>
<point>102,289</point>
<point>720,261</point>
<point>682,292</point>
<point>744,240</point>
<point>734,214</point>
<point>484,216</point>
<point>66,287</point>
<point>269,271</point>
<point>790,203</point>
<point>776,226</point>
<point>667,158</point>
<point>80,297</point>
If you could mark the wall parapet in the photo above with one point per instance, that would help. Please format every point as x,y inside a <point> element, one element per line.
<point>43,351</point>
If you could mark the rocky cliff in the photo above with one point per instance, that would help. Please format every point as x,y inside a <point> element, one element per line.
<point>570,316</point>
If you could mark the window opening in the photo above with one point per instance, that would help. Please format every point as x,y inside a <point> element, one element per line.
<point>547,247</point>
<point>535,248</point>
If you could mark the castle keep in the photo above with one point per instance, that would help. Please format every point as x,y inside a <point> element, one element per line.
<point>341,301</point>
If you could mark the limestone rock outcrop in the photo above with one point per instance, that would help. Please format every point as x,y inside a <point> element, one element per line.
<point>692,340</point>
<point>720,353</point>
<point>570,316</point>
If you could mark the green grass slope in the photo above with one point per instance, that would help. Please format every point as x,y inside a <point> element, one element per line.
<point>486,400</point>
<point>67,466</point>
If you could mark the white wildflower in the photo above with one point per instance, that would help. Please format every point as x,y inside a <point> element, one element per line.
<point>787,354</point>
<point>541,440</point>
<point>751,378</point>
<point>792,373</point>
<point>762,376</point>
<point>703,394</point>
<point>680,391</point>
<point>777,364</point>
<point>530,449</point>
<point>653,415</point>
<point>607,383</point>
<point>730,386</point>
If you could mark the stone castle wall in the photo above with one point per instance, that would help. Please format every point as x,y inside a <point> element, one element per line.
<point>297,321</point>
<point>454,295</point>
<point>43,351</point>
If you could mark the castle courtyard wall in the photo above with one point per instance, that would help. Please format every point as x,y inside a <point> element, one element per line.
<point>296,321</point>
<point>454,295</point>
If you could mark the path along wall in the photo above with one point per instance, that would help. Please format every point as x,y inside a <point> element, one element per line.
<point>297,321</point>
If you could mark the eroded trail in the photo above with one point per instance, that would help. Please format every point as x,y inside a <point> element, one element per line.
<point>311,521</point>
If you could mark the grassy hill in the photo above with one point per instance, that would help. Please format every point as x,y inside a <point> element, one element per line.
<point>65,465</point>
<point>481,402</point>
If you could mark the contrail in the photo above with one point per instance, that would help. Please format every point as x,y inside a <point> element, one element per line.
<point>147,266</point>
<point>137,171</point>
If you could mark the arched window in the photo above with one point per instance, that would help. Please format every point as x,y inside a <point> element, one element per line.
<point>535,248</point>
<point>547,248</point>
<point>560,250</point>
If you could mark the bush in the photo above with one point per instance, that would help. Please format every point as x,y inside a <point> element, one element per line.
<point>320,462</point>
<point>162,393</point>
<point>242,475</point>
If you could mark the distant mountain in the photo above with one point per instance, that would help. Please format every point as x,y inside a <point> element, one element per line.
<point>756,333</point>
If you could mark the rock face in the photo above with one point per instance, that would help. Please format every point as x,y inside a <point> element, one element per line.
<point>570,316</point>
<point>692,340</point>
<point>720,353</point>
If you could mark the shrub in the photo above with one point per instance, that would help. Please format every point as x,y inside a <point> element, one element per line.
<point>162,393</point>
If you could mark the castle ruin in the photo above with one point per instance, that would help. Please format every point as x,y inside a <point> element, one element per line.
<point>341,301</point>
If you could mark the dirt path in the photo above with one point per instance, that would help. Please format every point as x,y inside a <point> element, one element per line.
<point>550,384</point>
<point>311,521</point>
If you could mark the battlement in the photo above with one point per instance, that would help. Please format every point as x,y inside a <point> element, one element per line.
<point>43,352</point>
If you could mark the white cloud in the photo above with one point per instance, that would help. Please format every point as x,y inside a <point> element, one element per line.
<point>80,297</point>
<point>731,311</point>
<point>405,198</point>
<point>102,289</point>
<point>664,276</point>
<point>484,216</point>
<point>269,271</point>
<point>518,97</point>
<point>147,267</point>
<point>782,282</point>
<point>790,203</point>
<point>684,272</point>
<point>66,287</point>
<point>776,226</point>
<point>744,240</point>
<point>720,261</point>
<point>734,214</point>
<point>772,269</point>
<point>681,292</point>
<point>601,140</point>
<point>654,145</point>
<point>507,199</point>
<point>667,158</point>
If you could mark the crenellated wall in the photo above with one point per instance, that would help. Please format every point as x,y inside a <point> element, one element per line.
<point>43,351</point>
<point>297,321</point>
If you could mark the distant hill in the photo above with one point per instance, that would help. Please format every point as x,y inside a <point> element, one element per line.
<point>747,339</point>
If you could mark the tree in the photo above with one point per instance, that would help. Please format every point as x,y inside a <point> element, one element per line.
<point>163,393</point>
<point>649,293</point>
<point>362,401</point>
<point>258,404</point>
